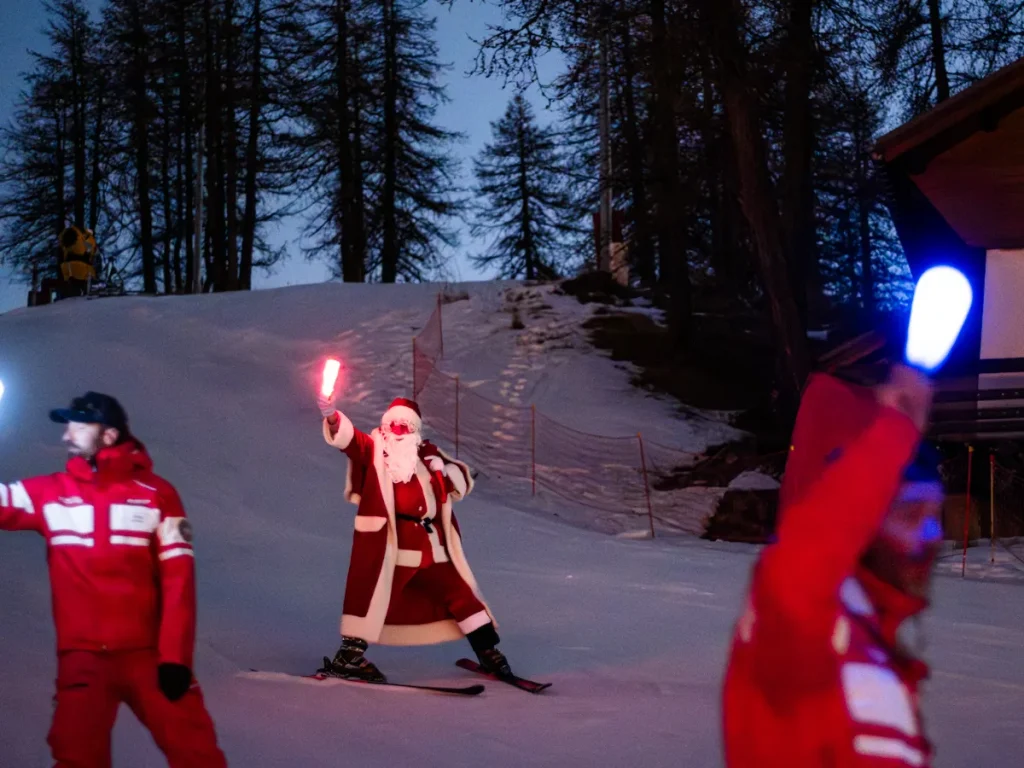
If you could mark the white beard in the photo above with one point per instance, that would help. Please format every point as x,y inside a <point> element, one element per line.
<point>401,455</point>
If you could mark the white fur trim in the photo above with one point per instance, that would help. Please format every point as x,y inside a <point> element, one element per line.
<point>368,627</point>
<point>454,472</point>
<point>421,634</point>
<point>402,413</point>
<point>474,622</point>
<point>343,437</point>
<point>370,523</point>
<point>409,558</point>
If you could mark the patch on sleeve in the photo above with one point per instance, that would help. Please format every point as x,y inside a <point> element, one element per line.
<point>185,530</point>
<point>174,530</point>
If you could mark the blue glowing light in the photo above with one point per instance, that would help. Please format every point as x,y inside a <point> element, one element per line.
<point>942,300</point>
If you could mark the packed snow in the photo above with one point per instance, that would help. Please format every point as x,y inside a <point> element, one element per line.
<point>633,633</point>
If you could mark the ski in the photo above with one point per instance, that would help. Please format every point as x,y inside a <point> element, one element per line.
<point>321,679</point>
<point>530,686</point>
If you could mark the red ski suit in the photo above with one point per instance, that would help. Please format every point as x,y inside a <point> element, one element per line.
<point>816,678</point>
<point>123,588</point>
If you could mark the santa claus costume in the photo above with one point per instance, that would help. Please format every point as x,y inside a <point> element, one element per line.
<point>408,580</point>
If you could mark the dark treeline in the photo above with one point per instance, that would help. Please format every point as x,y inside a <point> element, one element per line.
<point>740,137</point>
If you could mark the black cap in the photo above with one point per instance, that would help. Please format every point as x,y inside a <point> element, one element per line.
<point>93,408</point>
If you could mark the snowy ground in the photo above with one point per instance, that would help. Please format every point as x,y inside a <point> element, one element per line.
<point>632,633</point>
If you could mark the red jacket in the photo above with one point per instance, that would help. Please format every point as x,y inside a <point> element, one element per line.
<point>816,678</point>
<point>120,553</point>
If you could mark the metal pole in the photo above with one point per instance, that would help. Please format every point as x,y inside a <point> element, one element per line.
<point>647,485</point>
<point>992,506</point>
<point>440,327</point>
<point>604,258</point>
<point>415,392</point>
<point>533,450</point>
<point>197,280</point>
<point>967,511</point>
<point>456,417</point>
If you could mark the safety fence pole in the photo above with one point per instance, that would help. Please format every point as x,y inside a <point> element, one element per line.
<point>967,511</point>
<point>533,449</point>
<point>415,393</point>
<point>992,506</point>
<point>647,486</point>
<point>456,417</point>
<point>440,328</point>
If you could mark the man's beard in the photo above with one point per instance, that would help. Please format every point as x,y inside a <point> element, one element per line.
<point>401,455</point>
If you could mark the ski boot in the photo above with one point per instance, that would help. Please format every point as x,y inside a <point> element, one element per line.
<point>484,642</point>
<point>350,663</point>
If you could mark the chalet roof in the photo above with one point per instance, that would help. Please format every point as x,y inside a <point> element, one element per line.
<point>966,156</point>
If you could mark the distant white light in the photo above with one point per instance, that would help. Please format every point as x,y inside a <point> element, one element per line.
<point>942,300</point>
<point>1,389</point>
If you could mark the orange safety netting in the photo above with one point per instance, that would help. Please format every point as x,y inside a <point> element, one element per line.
<point>530,452</point>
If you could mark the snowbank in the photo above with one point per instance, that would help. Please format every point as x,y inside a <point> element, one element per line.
<point>633,634</point>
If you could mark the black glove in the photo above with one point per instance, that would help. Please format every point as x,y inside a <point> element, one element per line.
<point>174,680</point>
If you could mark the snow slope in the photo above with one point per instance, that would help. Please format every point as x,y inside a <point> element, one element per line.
<point>632,633</point>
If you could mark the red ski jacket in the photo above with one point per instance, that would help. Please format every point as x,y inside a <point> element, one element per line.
<point>816,678</point>
<point>119,550</point>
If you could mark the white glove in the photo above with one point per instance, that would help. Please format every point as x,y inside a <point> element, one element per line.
<point>436,464</point>
<point>326,405</point>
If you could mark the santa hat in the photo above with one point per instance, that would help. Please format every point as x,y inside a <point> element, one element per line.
<point>403,410</point>
<point>832,415</point>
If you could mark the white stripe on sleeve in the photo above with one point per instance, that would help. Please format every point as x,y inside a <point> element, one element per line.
<point>176,552</point>
<point>21,499</point>
<point>879,746</point>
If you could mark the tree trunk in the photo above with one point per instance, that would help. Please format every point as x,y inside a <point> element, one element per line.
<point>231,147</point>
<point>722,20</point>
<point>861,143</point>
<point>797,193</point>
<point>96,177</point>
<point>351,269</point>
<point>641,245</point>
<point>180,216</point>
<point>525,233</point>
<point>252,157</point>
<point>938,51</point>
<point>389,247</point>
<point>185,107</point>
<point>668,204</point>
<point>215,256</point>
<point>78,130</point>
<point>165,185</point>
<point>140,139</point>
<point>358,218</point>
<point>61,163</point>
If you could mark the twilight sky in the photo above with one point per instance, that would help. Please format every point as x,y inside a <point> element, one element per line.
<point>475,102</point>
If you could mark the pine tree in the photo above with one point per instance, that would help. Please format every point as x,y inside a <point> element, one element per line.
<point>33,168</point>
<point>325,81</point>
<point>417,190</point>
<point>518,178</point>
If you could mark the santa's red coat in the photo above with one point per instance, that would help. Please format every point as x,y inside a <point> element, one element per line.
<point>412,618</point>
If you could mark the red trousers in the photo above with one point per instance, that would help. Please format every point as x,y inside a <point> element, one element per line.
<point>91,687</point>
<point>444,585</point>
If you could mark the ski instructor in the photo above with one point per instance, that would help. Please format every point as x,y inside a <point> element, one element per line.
<point>408,579</point>
<point>817,675</point>
<point>123,588</point>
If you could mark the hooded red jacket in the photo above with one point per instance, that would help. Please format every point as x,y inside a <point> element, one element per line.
<point>816,678</point>
<point>119,550</point>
